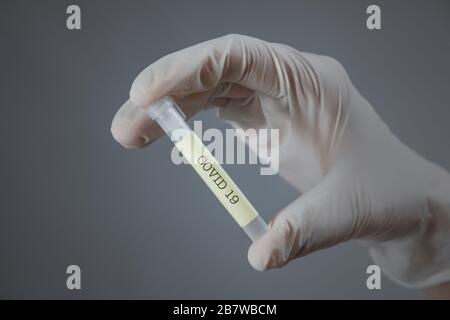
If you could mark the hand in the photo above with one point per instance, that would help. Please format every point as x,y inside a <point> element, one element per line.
<point>357,180</point>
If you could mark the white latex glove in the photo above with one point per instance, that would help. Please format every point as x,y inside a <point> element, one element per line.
<point>357,180</point>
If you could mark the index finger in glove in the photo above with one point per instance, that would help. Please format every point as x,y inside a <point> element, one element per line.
<point>229,66</point>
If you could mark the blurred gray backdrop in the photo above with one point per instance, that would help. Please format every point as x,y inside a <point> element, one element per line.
<point>141,227</point>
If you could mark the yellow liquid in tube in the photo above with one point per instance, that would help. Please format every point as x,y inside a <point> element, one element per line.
<point>215,177</point>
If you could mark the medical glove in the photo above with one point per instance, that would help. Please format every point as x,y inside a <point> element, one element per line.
<point>356,178</point>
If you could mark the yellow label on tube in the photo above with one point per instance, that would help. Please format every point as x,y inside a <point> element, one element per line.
<point>215,177</point>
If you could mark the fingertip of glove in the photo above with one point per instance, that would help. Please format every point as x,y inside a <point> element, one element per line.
<point>255,259</point>
<point>128,140</point>
<point>271,250</point>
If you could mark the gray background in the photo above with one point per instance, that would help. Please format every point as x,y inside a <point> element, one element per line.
<point>139,226</point>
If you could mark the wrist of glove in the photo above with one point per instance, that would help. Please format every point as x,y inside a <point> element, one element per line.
<point>422,258</point>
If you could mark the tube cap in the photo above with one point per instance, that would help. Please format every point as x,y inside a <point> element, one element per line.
<point>155,109</point>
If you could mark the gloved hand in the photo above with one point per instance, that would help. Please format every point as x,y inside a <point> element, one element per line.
<point>357,180</point>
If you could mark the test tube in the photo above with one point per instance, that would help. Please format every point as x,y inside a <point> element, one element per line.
<point>172,120</point>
